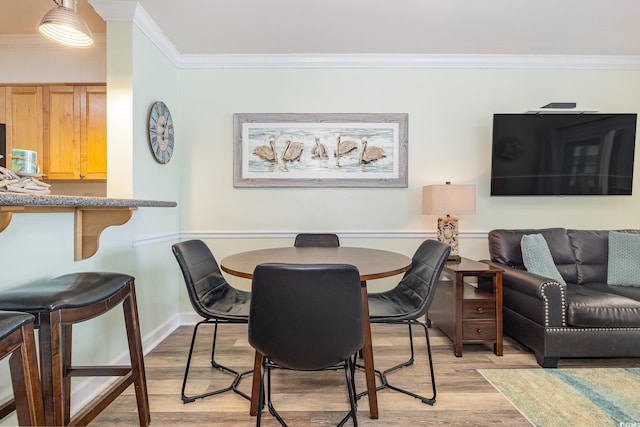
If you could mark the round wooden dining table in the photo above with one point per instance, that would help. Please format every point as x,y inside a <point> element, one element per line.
<point>371,263</point>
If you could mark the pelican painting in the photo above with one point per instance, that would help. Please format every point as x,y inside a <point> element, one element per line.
<point>267,152</point>
<point>291,153</point>
<point>370,154</point>
<point>344,147</point>
<point>319,151</point>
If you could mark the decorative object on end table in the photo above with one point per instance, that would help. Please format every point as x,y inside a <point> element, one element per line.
<point>449,199</point>
<point>161,132</point>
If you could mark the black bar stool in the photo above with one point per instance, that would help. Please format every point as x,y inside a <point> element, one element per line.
<point>17,340</point>
<point>58,304</point>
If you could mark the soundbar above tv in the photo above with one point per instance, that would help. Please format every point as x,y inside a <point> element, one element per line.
<point>562,154</point>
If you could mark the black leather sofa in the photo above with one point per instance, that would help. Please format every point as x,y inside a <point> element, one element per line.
<point>587,318</point>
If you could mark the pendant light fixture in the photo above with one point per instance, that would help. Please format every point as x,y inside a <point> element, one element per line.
<point>63,25</point>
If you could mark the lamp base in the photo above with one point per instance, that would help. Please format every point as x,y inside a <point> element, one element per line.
<point>448,234</point>
<point>454,258</point>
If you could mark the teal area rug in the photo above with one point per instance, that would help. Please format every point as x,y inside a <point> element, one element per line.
<point>572,397</point>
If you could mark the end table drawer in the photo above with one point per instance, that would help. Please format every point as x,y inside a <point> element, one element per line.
<point>479,330</point>
<point>478,309</point>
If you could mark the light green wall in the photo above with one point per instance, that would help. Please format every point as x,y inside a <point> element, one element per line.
<point>155,79</point>
<point>450,123</point>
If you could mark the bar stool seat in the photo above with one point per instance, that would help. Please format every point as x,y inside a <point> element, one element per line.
<point>17,339</point>
<point>59,303</point>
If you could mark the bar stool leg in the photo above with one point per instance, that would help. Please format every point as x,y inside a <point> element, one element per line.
<point>51,367</point>
<point>23,364</point>
<point>130,308</point>
<point>67,335</point>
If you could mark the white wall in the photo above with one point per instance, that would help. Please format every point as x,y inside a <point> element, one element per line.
<point>450,123</point>
<point>34,59</point>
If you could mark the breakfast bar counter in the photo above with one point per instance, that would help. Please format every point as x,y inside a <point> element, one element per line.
<point>92,214</point>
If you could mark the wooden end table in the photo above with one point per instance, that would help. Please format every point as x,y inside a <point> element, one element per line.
<point>467,313</point>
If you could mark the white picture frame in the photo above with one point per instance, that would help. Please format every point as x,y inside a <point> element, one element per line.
<point>313,141</point>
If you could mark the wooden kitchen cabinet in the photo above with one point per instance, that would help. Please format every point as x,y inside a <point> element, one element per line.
<point>66,124</point>
<point>24,117</point>
<point>75,133</point>
<point>61,132</point>
<point>93,132</point>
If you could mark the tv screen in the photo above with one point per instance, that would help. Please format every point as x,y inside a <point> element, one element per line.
<point>562,154</point>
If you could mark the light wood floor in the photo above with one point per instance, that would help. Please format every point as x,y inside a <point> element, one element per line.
<point>320,398</point>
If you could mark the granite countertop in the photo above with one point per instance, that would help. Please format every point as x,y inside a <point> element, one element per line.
<point>17,199</point>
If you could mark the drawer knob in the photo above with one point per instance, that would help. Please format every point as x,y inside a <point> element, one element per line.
<point>479,310</point>
<point>479,331</point>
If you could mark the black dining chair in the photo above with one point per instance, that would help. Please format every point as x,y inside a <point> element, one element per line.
<point>323,240</point>
<point>214,300</point>
<point>409,301</point>
<point>306,317</point>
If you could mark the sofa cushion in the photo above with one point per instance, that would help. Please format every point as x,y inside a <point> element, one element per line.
<point>537,257</point>
<point>504,247</point>
<point>624,259</point>
<point>632,292</point>
<point>588,308</point>
<point>591,249</point>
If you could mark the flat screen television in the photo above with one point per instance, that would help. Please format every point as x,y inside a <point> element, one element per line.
<point>562,154</point>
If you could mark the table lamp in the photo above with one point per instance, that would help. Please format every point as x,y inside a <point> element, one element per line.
<point>449,199</point>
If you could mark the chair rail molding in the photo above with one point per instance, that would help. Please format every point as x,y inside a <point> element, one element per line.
<point>378,234</point>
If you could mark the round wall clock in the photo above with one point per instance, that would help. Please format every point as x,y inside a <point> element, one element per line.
<point>161,132</point>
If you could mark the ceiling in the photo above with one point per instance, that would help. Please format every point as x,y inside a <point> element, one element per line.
<point>512,27</point>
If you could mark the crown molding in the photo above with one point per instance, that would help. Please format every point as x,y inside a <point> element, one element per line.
<point>410,61</point>
<point>149,27</point>
<point>115,10</point>
<point>131,10</point>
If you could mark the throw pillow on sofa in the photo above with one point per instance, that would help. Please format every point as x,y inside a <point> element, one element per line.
<point>537,257</point>
<point>623,267</point>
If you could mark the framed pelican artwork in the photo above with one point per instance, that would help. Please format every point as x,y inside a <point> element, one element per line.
<point>320,150</point>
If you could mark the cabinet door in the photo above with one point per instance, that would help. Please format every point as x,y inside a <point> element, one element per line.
<point>3,106</point>
<point>62,132</point>
<point>93,119</point>
<point>23,110</point>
